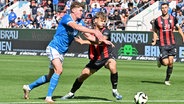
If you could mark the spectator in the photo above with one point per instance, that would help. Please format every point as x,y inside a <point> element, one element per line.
<point>11,18</point>
<point>103,9</point>
<point>39,20</point>
<point>27,23</point>
<point>50,5</point>
<point>5,13</point>
<point>95,3</point>
<point>55,5</point>
<point>20,23</point>
<point>180,17</point>
<point>88,5</point>
<point>48,13</point>
<point>180,4</point>
<point>123,20</point>
<point>41,9</point>
<point>131,10</point>
<point>112,8</point>
<point>124,4</point>
<point>95,10</point>
<point>173,13</point>
<point>116,19</point>
<point>2,4</point>
<point>55,18</point>
<point>34,8</point>
<point>24,16</point>
<point>48,23</point>
<point>67,7</point>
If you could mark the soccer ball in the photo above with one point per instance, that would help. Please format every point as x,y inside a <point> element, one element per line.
<point>140,98</point>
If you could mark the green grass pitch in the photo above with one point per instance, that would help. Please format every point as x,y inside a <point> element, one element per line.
<point>134,76</point>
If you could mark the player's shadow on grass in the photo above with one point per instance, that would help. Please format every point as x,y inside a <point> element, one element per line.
<point>154,82</point>
<point>80,97</point>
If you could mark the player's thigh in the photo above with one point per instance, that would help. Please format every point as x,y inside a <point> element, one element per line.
<point>111,65</point>
<point>171,59</point>
<point>165,61</point>
<point>56,59</point>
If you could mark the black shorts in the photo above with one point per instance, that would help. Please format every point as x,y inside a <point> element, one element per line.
<point>166,51</point>
<point>97,64</point>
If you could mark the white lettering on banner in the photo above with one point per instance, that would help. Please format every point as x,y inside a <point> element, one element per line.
<point>181,52</point>
<point>83,55</point>
<point>182,60</point>
<point>5,46</point>
<point>8,34</point>
<point>28,53</point>
<point>129,37</point>
<point>151,51</point>
<point>43,54</point>
<point>125,57</point>
<point>10,53</point>
<point>145,58</point>
<point>70,54</point>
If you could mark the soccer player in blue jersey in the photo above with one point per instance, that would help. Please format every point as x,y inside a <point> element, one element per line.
<point>66,32</point>
<point>100,55</point>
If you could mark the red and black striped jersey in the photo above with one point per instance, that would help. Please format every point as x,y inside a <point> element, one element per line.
<point>100,51</point>
<point>165,29</point>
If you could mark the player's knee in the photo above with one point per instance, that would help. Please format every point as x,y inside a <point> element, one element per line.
<point>85,73</point>
<point>59,71</point>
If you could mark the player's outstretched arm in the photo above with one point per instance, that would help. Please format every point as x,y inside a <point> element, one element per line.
<point>81,41</point>
<point>84,29</point>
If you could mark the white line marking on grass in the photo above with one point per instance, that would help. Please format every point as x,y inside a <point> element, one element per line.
<point>166,101</point>
<point>92,101</point>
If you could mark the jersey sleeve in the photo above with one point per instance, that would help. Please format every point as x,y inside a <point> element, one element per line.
<point>66,19</point>
<point>82,22</point>
<point>107,33</point>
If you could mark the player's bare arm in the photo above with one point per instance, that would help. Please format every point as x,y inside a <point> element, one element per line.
<point>180,32</point>
<point>155,36</point>
<point>81,41</point>
<point>81,28</point>
<point>95,40</point>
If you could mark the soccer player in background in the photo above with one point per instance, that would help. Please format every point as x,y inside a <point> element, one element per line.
<point>163,29</point>
<point>100,55</point>
<point>66,32</point>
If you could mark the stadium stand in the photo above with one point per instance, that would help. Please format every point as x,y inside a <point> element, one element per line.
<point>41,14</point>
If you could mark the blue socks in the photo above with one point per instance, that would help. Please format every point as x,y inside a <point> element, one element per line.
<point>38,82</point>
<point>53,83</point>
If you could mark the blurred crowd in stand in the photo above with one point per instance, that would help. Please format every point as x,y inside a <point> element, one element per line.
<point>46,14</point>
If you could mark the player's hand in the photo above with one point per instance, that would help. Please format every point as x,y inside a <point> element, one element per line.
<point>108,43</point>
<point>99,35</point>
<point>79,40</point>
<point>153,43</point>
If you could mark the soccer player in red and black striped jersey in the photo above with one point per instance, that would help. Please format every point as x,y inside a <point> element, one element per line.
<point>163,34</point>
<point>100,55</point>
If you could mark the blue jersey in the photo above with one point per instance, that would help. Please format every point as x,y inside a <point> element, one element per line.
<point>64,34</point>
